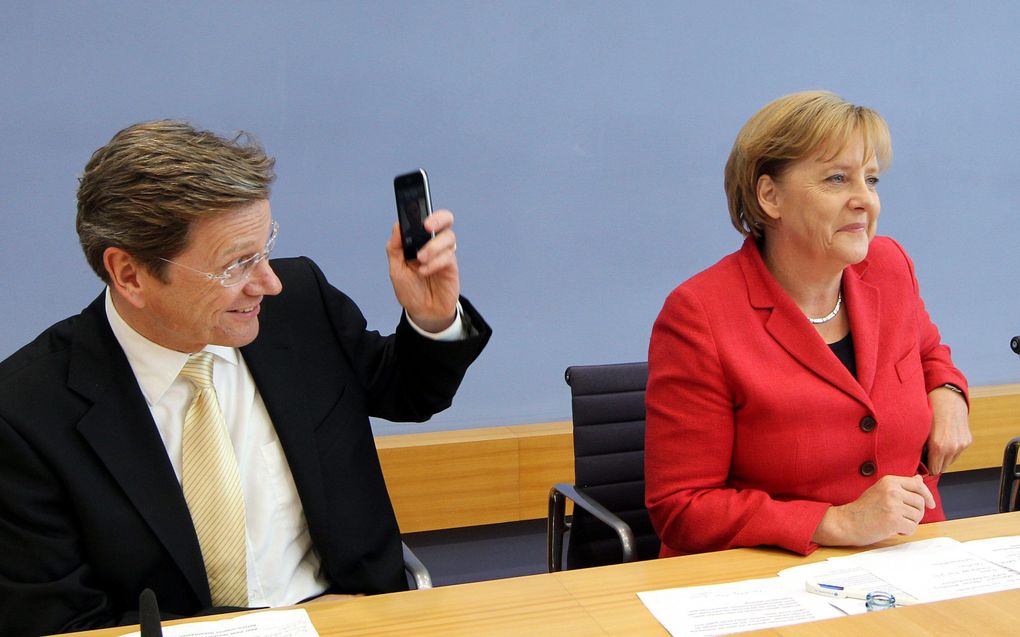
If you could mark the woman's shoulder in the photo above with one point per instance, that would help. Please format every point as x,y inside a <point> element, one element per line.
<point>713,285</point>
<point>882,246</point>
<point>885,255</point>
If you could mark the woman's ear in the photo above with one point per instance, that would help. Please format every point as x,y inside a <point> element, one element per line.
<point>768,196</point>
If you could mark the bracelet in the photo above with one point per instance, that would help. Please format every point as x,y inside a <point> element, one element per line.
<point>953,388</point>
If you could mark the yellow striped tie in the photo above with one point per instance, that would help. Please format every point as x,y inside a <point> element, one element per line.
<point>212,487</point>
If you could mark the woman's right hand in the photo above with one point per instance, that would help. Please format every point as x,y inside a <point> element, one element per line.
<point>893,505</point>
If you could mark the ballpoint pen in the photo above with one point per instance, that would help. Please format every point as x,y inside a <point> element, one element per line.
<point>847,592</point>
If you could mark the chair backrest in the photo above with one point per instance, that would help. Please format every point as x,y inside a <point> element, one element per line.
<point>608,405</point>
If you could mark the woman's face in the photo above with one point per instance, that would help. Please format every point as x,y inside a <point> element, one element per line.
<point>824,208</point>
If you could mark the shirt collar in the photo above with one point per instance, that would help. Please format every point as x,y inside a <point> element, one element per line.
<point>155,367</point>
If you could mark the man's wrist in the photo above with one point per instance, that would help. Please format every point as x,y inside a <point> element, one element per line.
<point>454,332</point>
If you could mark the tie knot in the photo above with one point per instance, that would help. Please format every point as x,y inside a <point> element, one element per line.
<point>198,369</point>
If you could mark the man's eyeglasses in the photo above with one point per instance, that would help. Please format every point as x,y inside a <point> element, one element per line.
<point>239,271</point>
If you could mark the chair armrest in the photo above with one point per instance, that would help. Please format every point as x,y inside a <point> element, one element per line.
<point>416,569</point>
<point>556,526</point>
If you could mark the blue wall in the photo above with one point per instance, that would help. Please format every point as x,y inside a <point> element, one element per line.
<point>580,144</point>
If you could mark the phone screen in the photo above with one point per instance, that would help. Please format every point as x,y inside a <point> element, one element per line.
<point>413,205</point>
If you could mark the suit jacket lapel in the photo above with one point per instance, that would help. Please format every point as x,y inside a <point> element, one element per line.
<point>787,324</point>
<point>864,304</point>
<point>120,429</point>
<point>270,359</point>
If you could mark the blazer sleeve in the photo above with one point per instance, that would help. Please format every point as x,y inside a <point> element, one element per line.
<point>406,376</point>
<point>936,358</point>
<point>689,446</point>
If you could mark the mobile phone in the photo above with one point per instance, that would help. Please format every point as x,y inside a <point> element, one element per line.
<point>414,205</point>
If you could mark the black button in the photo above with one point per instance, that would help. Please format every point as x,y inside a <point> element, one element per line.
<point>868,468</point>
<point>868,424</point>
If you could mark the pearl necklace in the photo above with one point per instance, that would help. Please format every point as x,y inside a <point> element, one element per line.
<point>831,315</point>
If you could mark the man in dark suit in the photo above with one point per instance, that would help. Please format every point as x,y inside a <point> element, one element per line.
<point>95,413</point>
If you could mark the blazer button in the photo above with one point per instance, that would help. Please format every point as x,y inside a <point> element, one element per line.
<point>868,424</point>
<point>868,468</point>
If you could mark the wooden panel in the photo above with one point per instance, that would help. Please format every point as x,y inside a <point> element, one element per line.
<point>994,420</point>
<point>436,484</point>
<point>546,457</point>
<point>439,438</point>
<point>449,479</point>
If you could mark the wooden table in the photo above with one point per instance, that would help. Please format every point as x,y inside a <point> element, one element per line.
<point>602,601</point>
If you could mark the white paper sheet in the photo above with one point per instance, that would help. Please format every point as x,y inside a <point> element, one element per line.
<point>721,609</point>
<point>273,623</point>
<point>1004,551</point>
<point>936,569</point>
<point>921,571</point>
<point>847,574</point>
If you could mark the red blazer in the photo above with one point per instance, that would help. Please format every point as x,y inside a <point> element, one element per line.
<point>755,427</point>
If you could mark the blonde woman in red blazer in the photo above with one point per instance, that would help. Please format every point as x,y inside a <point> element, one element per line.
<point>798,393</point>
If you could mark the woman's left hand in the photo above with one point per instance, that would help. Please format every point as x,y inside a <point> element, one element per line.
<point>950,429</point>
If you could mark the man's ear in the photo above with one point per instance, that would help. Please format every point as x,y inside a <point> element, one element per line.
<point>128,278</point>
<point>768,196</point>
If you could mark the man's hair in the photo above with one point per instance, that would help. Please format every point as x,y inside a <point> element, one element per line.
<point>143,191</point>
<point>788,129</point>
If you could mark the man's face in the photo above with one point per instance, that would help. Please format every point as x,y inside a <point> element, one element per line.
<point>191,311</point>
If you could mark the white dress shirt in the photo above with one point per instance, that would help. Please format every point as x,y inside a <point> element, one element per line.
<point>283,565</point>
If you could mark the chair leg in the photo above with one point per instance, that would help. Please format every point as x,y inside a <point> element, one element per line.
<point>1009,480</point>
<point>556,526</point>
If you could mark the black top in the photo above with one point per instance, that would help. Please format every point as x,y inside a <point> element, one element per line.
<point>844,351</point>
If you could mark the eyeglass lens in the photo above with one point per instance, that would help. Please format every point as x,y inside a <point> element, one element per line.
<point>242,270</point>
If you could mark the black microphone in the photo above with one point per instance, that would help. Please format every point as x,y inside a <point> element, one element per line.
<point>148,615</point>
<point>1015,344</point>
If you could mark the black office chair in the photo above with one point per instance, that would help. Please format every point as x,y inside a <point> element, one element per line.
<point>1009,481</point>
<point>610,523</point>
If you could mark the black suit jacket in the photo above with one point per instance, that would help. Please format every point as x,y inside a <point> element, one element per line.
<point>91,511</point>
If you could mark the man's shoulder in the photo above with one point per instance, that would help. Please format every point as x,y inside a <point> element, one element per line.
<point>43,359</point>
<point>51,345</point>
<point>308,302</point>
<point>39,369</point>
<point>296,268</point>
<point>299,275</point>
<point>303,282</point>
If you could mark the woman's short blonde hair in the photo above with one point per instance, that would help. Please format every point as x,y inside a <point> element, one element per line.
<point>788,129</point>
